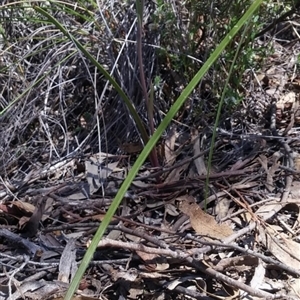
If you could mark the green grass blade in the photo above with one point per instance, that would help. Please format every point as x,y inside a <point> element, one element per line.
<point>218,115</point>
<point>128,103</point>
<point>154,139</point>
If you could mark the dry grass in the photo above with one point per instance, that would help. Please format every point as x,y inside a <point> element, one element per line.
<point>58,111</point>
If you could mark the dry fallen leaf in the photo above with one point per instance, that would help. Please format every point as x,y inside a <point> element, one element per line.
<point>264,161</point>
<point>204,223</point>
<point>295,286</point>
<point>170,154</point>
<point>282,248</point>
<point>194,280</point>
<point>30,225</point>
<point>129,275</point>
<point>241,263</point>
<point>258,279</point>
<point>77,298</point>
<point>297,162</point>
<point>68,265</point>
<point>24,206</point>
<point>132,148</point>
<point>222,208</point>
<point>153,262</point>
<point>199,161</point>
<point>295,190</point>
<point>96,175</point>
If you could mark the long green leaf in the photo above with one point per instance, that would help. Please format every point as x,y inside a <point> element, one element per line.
<point>128,103</point>
<point>154,139</point>
<point>218,115</point>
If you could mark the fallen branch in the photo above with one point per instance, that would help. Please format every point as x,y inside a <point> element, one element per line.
<point>187,257</point>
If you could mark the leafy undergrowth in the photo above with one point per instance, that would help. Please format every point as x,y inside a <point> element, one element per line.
<point>68,141</point>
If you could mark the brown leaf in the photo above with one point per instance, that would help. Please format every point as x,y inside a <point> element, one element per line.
<point>204,223</point>
<point>95,175</point>
<point>78,298</point>
<point>170,154</point>
<point>270,170</point>
<point>199,161</point>
<point>132,148</point>
<point>30,228</point>
<point>283,249</point>
<point>242,263</point>
<point>17,209</point>
<point>67,265</point>
<point>153,262</point>
<point>24,206</point>
<point>222,208</point>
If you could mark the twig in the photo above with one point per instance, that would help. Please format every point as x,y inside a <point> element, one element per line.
<point>144,236</point>
<point>179,164</point>
<point>31,247</point>
<point>243,250</point>
<point>191,293</point>
<point>288,152</point>
<point>279,20</point>
<point>149,107</point>
<point>11,277</point>
<point>186,257</point>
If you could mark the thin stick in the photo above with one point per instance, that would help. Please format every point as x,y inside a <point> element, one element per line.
<point>149,106</point>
